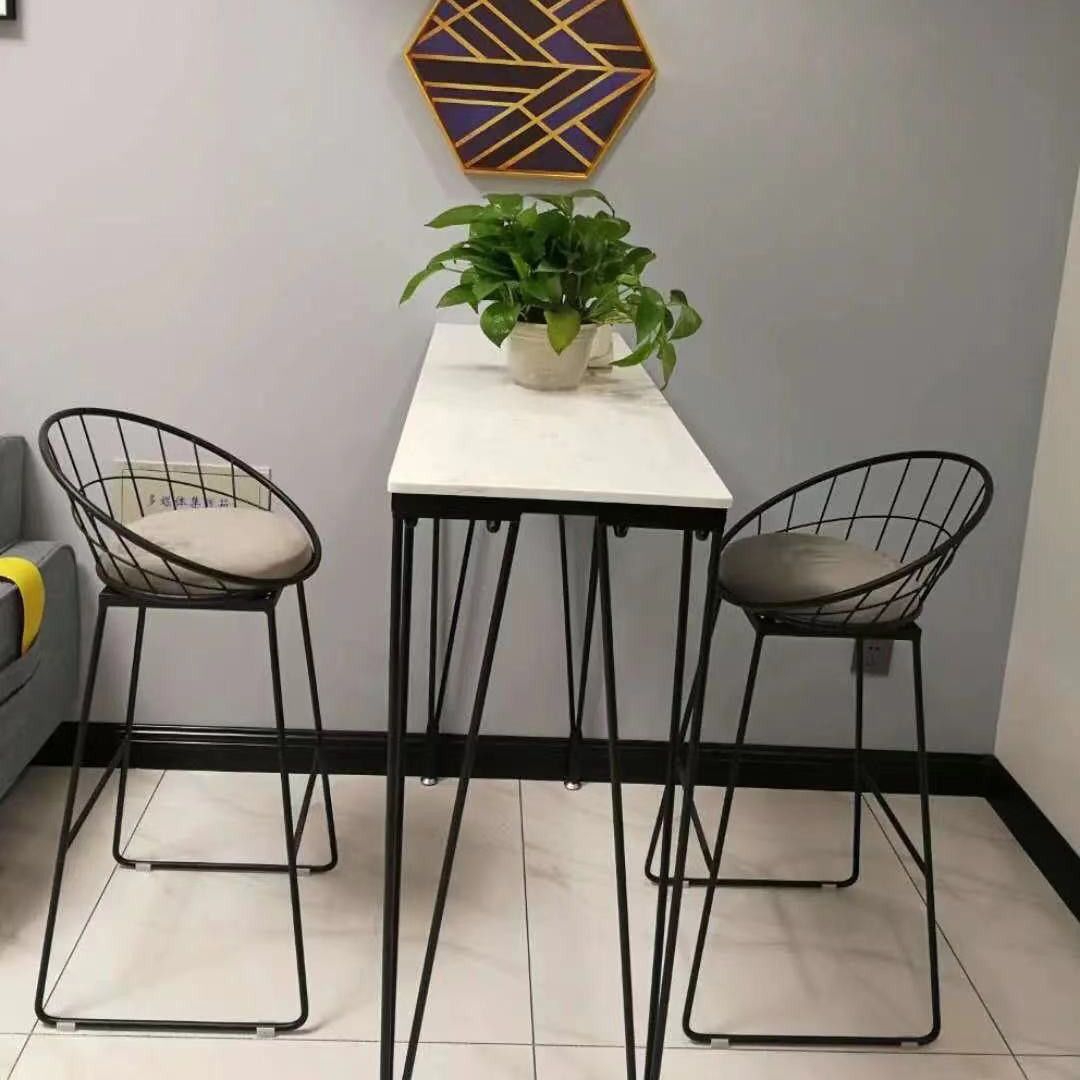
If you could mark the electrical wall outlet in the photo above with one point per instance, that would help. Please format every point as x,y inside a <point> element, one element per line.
<point>877,656</point>
<point>195,486</point>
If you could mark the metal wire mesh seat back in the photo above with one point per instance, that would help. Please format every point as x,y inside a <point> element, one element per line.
<point>117,468</point>
<point>913,508</point>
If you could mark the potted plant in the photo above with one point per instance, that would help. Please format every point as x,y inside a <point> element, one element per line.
<point>547,279</point>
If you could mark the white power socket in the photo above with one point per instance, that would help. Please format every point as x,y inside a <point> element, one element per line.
<point>877,656</point>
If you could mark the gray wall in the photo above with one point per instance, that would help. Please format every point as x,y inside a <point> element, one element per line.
<point>207,212</point>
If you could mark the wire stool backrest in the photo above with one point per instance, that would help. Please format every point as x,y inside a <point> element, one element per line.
<point>117,466</point>
<point>918,507</point>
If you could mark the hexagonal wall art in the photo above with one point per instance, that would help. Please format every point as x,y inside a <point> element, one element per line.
<point>531,87</point>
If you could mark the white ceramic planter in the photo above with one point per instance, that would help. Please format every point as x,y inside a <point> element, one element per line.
<point>602,353</point>
<point>533,363</point>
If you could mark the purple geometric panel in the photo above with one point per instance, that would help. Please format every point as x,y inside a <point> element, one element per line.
<point>459,119</point>
<point>442,43</point>
<point>592,96</point>
<point>569,50</point>
<point>531,87</point>
<point>581,142</point>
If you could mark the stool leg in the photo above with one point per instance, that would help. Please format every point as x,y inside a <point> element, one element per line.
<point>125,761</point>
<point>290,838</point>
<point>923,860</point>
<point>611,698</point>
<point>319,763</point>
<point>928,854</point>
<point>65,826</point>
<point>721,837</point>
<point>856,837</point>
<point>318,771</point>
<point>471,745</point>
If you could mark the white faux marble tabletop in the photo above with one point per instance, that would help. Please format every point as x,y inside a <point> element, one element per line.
<point>472,431</point>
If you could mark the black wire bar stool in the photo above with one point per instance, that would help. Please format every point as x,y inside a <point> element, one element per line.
<point>123,474</point>
<point>889,528</point>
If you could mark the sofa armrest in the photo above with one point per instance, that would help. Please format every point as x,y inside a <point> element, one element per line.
<point>12,459</point>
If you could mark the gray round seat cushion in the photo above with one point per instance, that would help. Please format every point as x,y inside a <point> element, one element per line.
<point>793,567</point>
<point>235,542</point>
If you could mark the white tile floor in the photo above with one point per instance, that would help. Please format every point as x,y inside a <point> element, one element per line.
<point>527,984</point>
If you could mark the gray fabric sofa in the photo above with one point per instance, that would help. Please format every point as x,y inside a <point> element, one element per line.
<point>37,691</point>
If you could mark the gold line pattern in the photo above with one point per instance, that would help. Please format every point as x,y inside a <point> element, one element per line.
<point>458,38</point>
<point>570,123</point>
<point>509,110</point>
<point>543,116</point>
<point>504,45</point>
<point>565,158</point>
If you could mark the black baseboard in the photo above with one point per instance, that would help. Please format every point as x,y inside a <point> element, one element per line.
<point>643,762</point>
<point>1037,835</point>
<point>512,757</point>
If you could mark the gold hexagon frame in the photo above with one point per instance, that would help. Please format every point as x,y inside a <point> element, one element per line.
<point>531,87</point>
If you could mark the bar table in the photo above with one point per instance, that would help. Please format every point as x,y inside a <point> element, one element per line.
<point>477,448</point>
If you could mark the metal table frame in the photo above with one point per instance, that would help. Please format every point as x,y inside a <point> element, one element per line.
<point>707,525</point>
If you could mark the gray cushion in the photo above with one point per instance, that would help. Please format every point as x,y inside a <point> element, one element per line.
<point>247,543</point>
<point>791,568</point>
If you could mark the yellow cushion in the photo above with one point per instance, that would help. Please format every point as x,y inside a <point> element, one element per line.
<point>27,579</point>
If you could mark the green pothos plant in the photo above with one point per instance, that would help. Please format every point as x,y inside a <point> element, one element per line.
<point>536,259</point>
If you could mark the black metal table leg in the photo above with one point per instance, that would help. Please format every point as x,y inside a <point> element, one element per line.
<point>573,746</point>
<point>438,680</point>
<point>601,556</point>
<point>664,818</point>
<point>456,818</point>
<point>696,705</point>
<point>400,612</point>
<point>577,702</point>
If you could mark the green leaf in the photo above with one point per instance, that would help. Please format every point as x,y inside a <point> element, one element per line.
<point>552,223</point>
<point>544,288</point>
<point>668,360</point>
<point>520,265</point>
<point>592,193</point>
<point>459,215</point>
<point>459,294</point>
<point>638,258</point>
<point>611,228</point>
<point>563,203</point>
<point>507,205</point>
<point>483,287</point>
<point>650,314</point>
<point>417,280</point>
<point>564,324</point>
<point>485,230</point>
<point>689,322</point>
<point>498,320</point>
<point>638,356</point>
<point>679,297</point>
